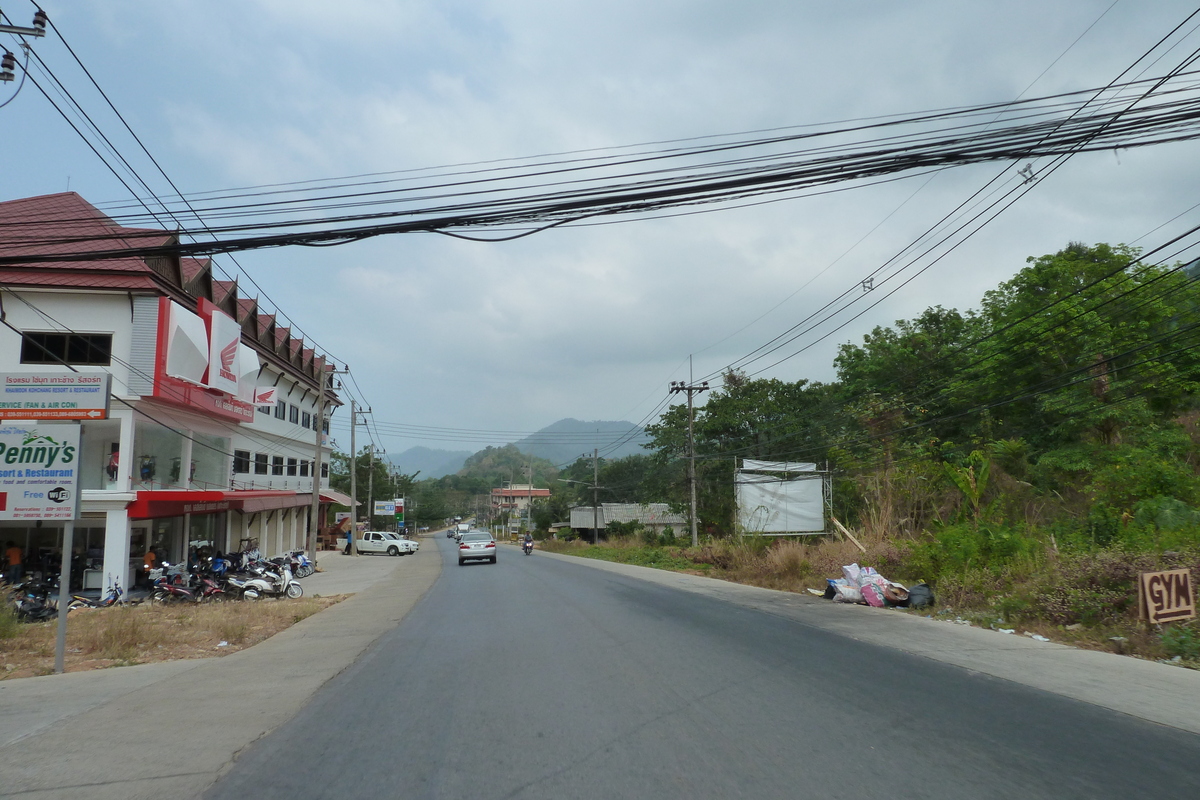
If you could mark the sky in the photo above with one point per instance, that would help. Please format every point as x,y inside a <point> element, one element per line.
<point>495,340</point>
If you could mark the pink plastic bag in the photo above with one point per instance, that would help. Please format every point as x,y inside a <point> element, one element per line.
<point>873,594</point>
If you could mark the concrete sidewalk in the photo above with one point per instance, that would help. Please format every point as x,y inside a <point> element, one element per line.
<point>1148,690</point>
<point>140,732</point>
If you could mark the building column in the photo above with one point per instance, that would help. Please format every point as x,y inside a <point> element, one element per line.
<point>116,546</point>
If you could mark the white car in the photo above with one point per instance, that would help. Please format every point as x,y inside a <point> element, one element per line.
<point>407,546</point>
<point>476,545</point>
<point>381,542</point>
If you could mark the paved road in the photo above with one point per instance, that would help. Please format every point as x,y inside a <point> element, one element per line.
<point>543,678</point>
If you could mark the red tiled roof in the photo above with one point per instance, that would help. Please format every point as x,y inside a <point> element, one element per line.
<point>192,268</point>
<point>75,279</point>
<point>222,290</point>
<point>66,223</point>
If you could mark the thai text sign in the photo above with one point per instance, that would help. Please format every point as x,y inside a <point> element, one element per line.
<point>1166,596</point>
<point>54,395</point>
<point>39,470</point>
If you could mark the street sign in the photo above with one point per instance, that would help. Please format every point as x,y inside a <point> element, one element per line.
<point>1166,596</point>
<point>54,395</point>
<point>39,471</point>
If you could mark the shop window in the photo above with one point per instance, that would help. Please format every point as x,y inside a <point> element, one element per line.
<point>241,461</point>
<point>305,419</point>
<point>277,465</point>
<point>260,463</point>
<point>280,409</point>
<point>291,467</point>
<point>294,415</point>
<point>93,349</point>
<point>304,468</point>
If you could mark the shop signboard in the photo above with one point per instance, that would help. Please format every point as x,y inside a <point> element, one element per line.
<point>54,395</point>
<point>1166,596</point>
<point>399,501</point>
<point>384,508</point>
<point>39,471</point>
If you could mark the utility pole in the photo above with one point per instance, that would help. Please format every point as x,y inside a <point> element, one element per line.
<point>353,481</point>
<point>315,515</point>
<point>690,388</point>
<point>596,496</point>
<point>371,488</point>
<point>38,29</point>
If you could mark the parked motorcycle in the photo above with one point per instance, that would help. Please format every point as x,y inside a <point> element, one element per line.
<point>111,598</point>
<point>268,578</point>
<point>301,566</point>
<point>33,600</point>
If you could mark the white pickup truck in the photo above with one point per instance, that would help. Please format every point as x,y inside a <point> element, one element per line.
<point>385,542</point>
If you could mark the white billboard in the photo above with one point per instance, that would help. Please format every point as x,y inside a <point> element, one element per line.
<point>771,505</point>
<point>39,471</point>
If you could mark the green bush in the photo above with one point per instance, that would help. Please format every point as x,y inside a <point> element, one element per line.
<point>1182,640</point>
<point>8,622</point>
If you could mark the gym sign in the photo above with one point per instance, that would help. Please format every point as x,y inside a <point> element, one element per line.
<point>1166,596</point>
<point>39,470</point>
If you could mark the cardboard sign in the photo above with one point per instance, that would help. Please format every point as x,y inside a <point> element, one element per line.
<point>1166,596</point>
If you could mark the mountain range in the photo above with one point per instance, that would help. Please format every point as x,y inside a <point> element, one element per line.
<point>561,442</point>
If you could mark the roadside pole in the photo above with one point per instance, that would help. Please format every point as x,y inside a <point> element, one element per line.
<point>596,496</point>
<point>64,597</point>
<point>314,524</point>
<point>353,481</point>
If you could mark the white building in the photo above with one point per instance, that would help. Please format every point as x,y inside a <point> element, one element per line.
<point>213,426</point>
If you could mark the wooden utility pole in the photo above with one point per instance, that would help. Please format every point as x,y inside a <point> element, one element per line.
<point>596,495</point>
<point>680,386</point>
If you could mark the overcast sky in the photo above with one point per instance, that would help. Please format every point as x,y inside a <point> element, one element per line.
<point>586,322</point>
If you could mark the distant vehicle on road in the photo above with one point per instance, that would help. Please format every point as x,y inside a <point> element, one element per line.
<point>476,546</point>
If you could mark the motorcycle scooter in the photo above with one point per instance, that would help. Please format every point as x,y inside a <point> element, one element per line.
<point>268,579</point>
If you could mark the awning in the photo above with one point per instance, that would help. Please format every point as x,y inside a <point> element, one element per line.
<point>175,503</point>
<point>331,496</point>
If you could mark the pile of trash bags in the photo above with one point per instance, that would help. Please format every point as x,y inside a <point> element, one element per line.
<point>865,586</point>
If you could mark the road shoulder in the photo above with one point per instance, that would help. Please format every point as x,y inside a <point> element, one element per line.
<point>177,727</point>
<point>1147,690</point>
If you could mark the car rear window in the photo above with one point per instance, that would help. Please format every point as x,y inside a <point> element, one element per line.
<point>477,537</point>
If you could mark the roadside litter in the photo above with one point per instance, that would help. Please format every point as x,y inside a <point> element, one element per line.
<point>865,586</point>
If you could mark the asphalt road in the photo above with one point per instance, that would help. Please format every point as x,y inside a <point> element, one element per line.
<point>543,678</point>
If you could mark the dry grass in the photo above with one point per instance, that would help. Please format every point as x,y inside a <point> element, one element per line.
<point>121,636</point>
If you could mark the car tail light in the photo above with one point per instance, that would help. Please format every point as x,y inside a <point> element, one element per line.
<point>490,544</point>
<point>464,547</point>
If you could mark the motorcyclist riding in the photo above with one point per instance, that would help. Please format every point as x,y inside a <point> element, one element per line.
<point>527,544</point>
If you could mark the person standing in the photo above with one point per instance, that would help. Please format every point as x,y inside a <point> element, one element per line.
<point>13,554</point>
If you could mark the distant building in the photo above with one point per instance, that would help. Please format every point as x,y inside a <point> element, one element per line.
<point>516,498</point>
<point>656,517</point>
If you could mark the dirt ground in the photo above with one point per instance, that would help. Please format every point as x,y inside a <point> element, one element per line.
<point>142,634</point>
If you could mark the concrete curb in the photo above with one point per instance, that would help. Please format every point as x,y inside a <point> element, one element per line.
<point>137,732</point>
<point>1144,689</point>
